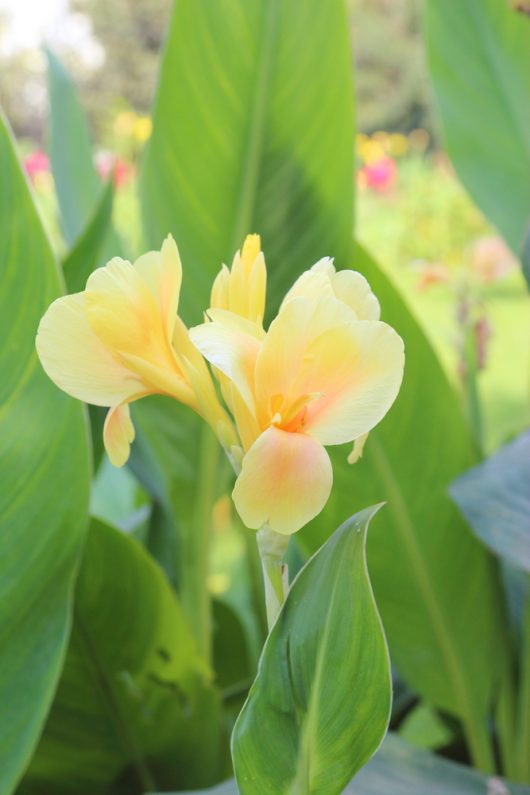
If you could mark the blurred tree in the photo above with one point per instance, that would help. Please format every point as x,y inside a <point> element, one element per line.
<point>392,85</point>
<point>22,95</point>
<point>131,34</point>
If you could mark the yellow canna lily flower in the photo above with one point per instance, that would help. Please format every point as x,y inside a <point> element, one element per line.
<point>121,339</point>
<point>242,288</point>
<point>325,373</point>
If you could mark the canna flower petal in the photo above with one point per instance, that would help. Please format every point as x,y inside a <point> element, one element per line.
<point>285,481</point>
<point>324,373</point>
<point>77,361</point>
<point>118,434</point>
<point>231,344</point>
<point>348,286</point>
<point>242,289</point>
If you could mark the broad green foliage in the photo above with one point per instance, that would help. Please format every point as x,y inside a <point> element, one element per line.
<point>253,131</point>
<point>479,58</point>
<point>399,769</point>
<point>76,181</point>
<point>134,701</point>
<point>434,583</point>
<point>44,470</point>
<point>495,499</point>
<point>79,189</point>
<point>320,704</point>
<point>88,251</point>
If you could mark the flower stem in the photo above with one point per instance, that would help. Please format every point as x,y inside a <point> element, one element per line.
<point>272,547</point>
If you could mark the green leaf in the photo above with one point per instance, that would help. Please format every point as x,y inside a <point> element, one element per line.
<point>79,190</point>
<point>479,58</point>
<point>443,634</point>
<point>320,704</point>
<point>76,181</point>
<point>134,702</point>
<point>399,769</point>
<point>87,253</point>
<point>495,499</point>
<point>44,472</point>
<point>424,728</point>
<point>253,132</point>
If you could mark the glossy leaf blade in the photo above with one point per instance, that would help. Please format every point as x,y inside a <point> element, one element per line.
<point>320,704</point>
<point>436,586</point>
<point>253,132</point>
<point>44,471</point>
<point>495,499</point>
<point>479,58</point>
<point>134,701</point>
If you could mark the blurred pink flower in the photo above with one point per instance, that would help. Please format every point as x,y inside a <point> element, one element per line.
<point>380,175</point>
<point>36,163</point>
<point>108,163</point>
<point>491,259</point>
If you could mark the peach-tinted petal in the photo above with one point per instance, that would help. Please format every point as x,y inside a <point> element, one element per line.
<point>358,370</point>
<point>118,434</point>
<point>285,481</point>
<point>284,362</point>
<point>77,361</point>
<point>313,283</point>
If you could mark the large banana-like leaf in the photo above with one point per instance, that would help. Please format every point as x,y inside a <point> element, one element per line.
<point>479,58</point>
<point>134,703</point>
<point>495,499</point>
<point>44,472</point>
<point>320,704</point>
<point>435,584</point>
<point>253,132</point>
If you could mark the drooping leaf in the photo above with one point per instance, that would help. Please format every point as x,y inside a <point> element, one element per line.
<point>435,584</point>
<point>88,252</point>
<point>320,704</point>
<point>134,703</point>
<point>424,728</point>
<point>495,499</point>
<point>253,132</point>
<point>479,58</point>
<point>44,472</point>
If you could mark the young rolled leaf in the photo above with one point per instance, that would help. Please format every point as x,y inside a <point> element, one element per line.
<point>479,59</point>
<point>44,472</point>
<point>320,704</point>
<point>495,499</point>
<point>134,702</point>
